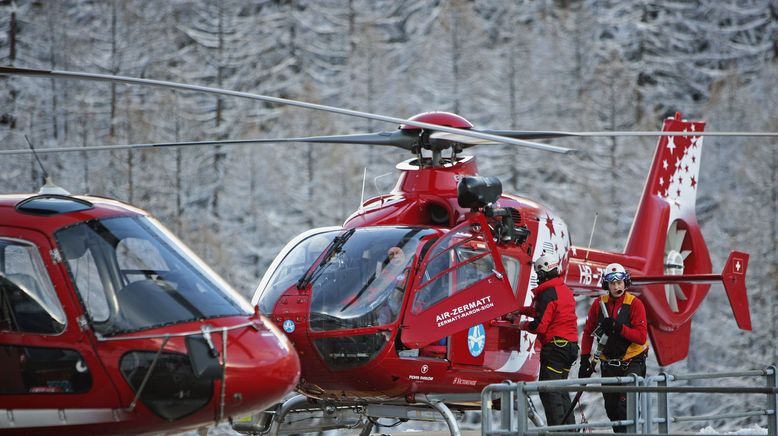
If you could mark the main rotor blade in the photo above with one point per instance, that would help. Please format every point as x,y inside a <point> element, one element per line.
<point>469,141</point>
<point>138,146</point>
<point>548,134</point>
<point>403,139</point>
<point>165,84</point>
<point>398,139</point>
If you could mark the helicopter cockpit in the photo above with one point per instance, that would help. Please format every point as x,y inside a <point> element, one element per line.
<point>360,279</point>
<point>132,274</point>
<point>352,287</point>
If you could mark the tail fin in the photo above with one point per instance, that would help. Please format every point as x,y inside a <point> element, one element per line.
<point>734,278</point>
<point>666,234</point>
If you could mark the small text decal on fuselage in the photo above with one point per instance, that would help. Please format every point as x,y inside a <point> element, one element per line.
<point>463,381</point>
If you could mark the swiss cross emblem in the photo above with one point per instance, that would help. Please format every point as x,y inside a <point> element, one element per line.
<point>738,266</point>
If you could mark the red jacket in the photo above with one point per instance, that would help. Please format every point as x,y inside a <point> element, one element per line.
<point>635,331</point>
<point>553,308</point>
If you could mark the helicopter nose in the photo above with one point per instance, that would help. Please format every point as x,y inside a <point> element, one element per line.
<point>262,367</point>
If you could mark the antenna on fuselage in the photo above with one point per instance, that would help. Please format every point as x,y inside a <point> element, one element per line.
<point>362,196</point>
<point>48,186</point>
<point>375,183</point>
<point>591,236</point>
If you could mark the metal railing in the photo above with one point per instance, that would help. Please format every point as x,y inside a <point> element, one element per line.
<point>649,409</point>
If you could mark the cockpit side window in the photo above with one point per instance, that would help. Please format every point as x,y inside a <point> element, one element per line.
<point>28,302</point>
<point>90,286</point>
<point>292,267</point>
<point>512,268</point>
<point>458,261</point>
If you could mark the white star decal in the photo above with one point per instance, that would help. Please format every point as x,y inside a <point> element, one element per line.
<point>664,164</point>
<point>670,144</point>
<point>661,181</point>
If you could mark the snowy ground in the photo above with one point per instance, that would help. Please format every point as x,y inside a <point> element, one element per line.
<point>749,430</point>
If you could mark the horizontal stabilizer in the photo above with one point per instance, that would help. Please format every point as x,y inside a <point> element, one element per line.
<point>733,277</point>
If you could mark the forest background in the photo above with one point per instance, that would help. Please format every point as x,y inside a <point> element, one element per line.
<point>542,64</point>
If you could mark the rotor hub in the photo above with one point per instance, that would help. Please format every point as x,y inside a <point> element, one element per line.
<point>675,257</point>
<point>674,263</point>
<point>440,118</point>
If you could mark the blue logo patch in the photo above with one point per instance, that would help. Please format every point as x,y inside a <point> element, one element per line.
<point>476,339</point>
<point>289,326</point>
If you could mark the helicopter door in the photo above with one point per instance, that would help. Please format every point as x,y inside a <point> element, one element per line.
<point>46,363</point>
<point>461,283</point>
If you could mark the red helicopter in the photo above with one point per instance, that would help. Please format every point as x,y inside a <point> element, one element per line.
<point>109,324</point>
<point>408,302</point>
<point>469,249</point>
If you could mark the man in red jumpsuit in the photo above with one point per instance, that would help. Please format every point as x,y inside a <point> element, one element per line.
<point>627,338</point>
<point>556,324</point>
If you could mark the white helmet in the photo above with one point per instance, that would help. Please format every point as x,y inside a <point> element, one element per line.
<point>547,263</point>
<point>615,272</point>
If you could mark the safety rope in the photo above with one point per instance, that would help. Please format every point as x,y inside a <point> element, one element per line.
<point>583,418</point>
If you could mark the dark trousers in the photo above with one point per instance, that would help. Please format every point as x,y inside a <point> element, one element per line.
<point>556,358</point>
<point>616,402</point>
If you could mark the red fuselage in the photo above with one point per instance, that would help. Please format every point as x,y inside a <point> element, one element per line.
<point>64,374</point>
<point>423,198</point>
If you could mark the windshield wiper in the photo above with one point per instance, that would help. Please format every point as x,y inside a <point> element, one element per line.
<point>332,250</point>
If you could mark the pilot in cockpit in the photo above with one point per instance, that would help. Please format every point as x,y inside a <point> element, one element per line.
<point>391,279</point>
<point>396,258</point>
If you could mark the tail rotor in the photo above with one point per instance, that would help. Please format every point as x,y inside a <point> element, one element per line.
<point>675,257</point>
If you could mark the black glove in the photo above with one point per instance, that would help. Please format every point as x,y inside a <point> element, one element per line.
<point>585,370</point>
<point>611,326</point>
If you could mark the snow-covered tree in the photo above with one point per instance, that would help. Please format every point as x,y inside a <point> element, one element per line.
<point>525,65</point>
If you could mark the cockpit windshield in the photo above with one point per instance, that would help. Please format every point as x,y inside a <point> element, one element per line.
<point>362,281</point>
<point>132,274</point>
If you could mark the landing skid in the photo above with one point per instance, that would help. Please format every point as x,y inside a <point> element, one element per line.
<point>301,414</point>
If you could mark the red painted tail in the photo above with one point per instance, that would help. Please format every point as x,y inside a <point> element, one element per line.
<point>666,234</point>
